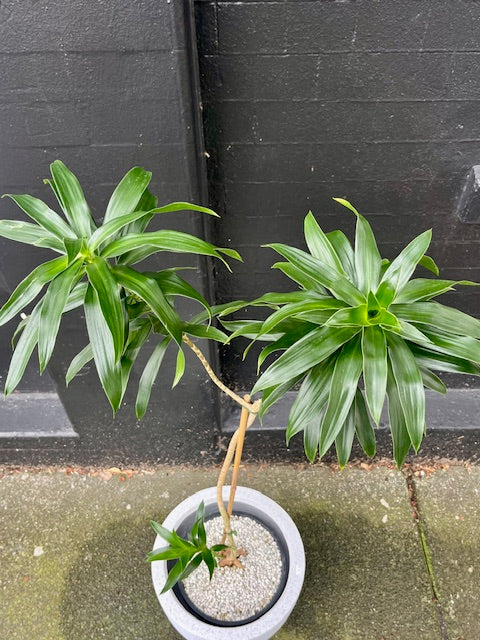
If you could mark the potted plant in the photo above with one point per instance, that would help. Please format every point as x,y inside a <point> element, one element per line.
<point>354,330</point>
<point>124,306</point>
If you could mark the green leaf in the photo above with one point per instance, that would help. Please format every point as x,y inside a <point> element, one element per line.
<point>273,395</point>
<point>73,247</point>
<point>444,362</point>
<point>311,398</point>
<point>165,553</point>
<point>30,287</point>
<point>109,229</point>
<point>374,349</point>
<point>23,351</point>
<point>103,350</point>
<point>348,367</point>
<point>319,245</point>
<point>78,362</point>
<point>184,206</point>
<point>164,533</point>
<point>399,271</point>
<point>76,297</point>
<point>409,332</point>
<point>438,315</point>
<point>125,198</point>
<point>429,263</point>
<point>299,276</point>
<point>30,234</point>
<point>398,424</point>
<point>344,251</point>
<point>72,199</point>
<point>180,367</point>
<point>43,215</point>
<point>51,314</point>
<point>344,440</point>
<point>459,346</point>
<point>139,331</point>
<point>367,257</point>
<point>174,576</point>
<point>173,241</point>
<point>210,562</point>
<point>351,317</point>
<point>191,566</point>
<point>409,388</point>
<point>201,331</point>
<point>149,376</point>
<point>296,308</point>
<point>363,426</point>
<point>339,285</point>
<point>106,286</point>
<point>146,203</point>
<point>304,354</point>
<point>148,290</point>
<point>311,435</point>
<point>425,288</point>
<point>285,341</point>
<point>171,284</point>
<point>432,381</point>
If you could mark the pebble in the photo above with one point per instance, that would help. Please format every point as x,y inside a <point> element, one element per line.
<point>237,594</point>
<point>38,551</point>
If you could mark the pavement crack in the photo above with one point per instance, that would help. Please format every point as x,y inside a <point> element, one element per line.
<point>422,532</point>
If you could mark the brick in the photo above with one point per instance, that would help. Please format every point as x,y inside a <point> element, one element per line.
<point>86,26</point>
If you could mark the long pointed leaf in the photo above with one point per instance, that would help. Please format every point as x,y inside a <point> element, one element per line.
<point>399,271</point>
<point>363,426</point>
<point>424,289</point>
<point>128,192</point>
<point>431,381</point>
<point>103,350</point>
<point>348,367</point>
<point>398,424</point>
<point>30,234</point>
<point>149,376</point>
<point>106,286</point>
<point>344,251</point>
<point>299,276</point>
<point>78,362</point>
<point>374,349</point>
<point>444,362</point>
<point>438,315</point>
<point>338,284</point>
<point>311,398</point>
<point>271,396</point>
<point>43,215</point>
<point>179,368</point>
<point>148,290</point>
<point>319,245</point>
<point>344,440</point>
<point>71,196</point>
<point>410,388</point>
<point>52,309</point>
<point>23,351</point>
<point>367,257</point>
<point>30,287</point>
<point>306,353</point>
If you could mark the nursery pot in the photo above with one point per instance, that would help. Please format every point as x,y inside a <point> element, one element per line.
<point>190,623</point>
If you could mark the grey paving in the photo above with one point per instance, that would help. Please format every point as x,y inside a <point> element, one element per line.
<point>72,553</point>
<point>450,504</point>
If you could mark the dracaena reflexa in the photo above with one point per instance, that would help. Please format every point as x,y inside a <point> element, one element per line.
<point>357,330</point>
<point>96,266</point>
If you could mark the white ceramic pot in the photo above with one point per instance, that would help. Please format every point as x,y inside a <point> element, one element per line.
<point>247,502</point>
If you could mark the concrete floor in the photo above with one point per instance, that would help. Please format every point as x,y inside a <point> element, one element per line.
<point>388,556</point>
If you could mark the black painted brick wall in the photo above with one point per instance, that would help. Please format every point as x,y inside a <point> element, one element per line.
<point>104,86</point>
<point>373,100</point>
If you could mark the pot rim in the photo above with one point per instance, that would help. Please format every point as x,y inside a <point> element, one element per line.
<point>267,624</point>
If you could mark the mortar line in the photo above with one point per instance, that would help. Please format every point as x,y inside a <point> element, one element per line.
<point>422,532</point>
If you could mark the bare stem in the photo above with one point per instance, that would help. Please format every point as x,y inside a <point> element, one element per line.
<point>238,455</point>
<point>246,405</point>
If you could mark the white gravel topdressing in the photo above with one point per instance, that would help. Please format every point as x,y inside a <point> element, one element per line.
<point>237,594</point>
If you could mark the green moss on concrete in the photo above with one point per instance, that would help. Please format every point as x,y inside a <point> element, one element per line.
<point>449,502</point>
<point>366,576</point>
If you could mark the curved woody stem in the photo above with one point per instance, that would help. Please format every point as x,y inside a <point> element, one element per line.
<point>235,447</point>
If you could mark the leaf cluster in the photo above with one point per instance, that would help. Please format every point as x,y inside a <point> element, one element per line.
<point>96,268</point>
<point>356,330</point>
<point>188,553</point>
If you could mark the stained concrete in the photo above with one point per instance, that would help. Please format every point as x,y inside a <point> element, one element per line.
<point>72,551</point>
<point>450,505</point>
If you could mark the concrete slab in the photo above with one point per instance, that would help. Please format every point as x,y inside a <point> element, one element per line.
<point>72,553</point>
<point>449,502</point>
